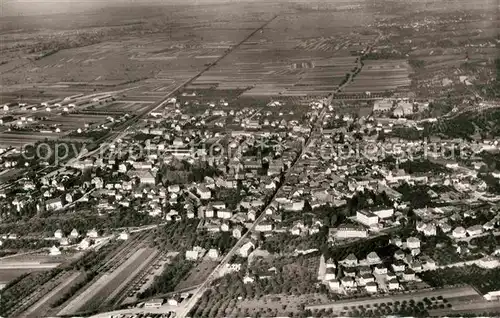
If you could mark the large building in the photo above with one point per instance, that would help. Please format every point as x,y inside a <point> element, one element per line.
<point>153,303</point>
<point>350,231</point>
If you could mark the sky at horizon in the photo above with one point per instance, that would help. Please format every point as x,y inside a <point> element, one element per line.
<point>44,7</point>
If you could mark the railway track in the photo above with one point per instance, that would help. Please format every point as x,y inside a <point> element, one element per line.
<point>107,267</point>
<point>136,281</point>
<point>120,256</point>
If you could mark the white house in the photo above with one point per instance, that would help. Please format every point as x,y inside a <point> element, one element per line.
<point>459,232</point>
<point>347,282</point>
<point>203,192</point>
<point>366,278</point>
<point>209,213</point>
<point>264,227</point>
<point>475,230</point>
<point>84,244</point>
<point>192,255</point>
<point>430,230</point>
<point>347,231</point>
<point>350,260</point>
<point>380,270</point>
<point>409,274</point>
<point>213,253</point>
<point>330,274</point>
<point>371,287</point>
<point>294,206</point>
<point>219,205</point>
<point>124,236</point>
<point>366,218</point>
<point>54,204</point>
<point>251,215</point>
<point>334,285</point>
<point>248,280</point>
<point>412,243</point>
<point>237,232</point>
<point>393,284</point>
<point>224,227</point>
<point>54,251</point>
<point>384,214</point>
<point>153,303</point>
<point>74,234</point>
<point>92,233</point>
<point>58,234</point>
<point>246,249</point>
<point>398,266</point>
<point>372,258</point>
<point>64,241</point>
<point>330,263</point>
<point>224,214</point>
<point>174,188</point>
<point>146,177</point>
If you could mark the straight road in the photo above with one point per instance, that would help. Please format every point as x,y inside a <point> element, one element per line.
<point>449,293</point>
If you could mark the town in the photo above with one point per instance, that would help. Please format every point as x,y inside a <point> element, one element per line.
<point>264,175</point>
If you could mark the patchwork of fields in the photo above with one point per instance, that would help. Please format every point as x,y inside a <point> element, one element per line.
<point>378,76</point>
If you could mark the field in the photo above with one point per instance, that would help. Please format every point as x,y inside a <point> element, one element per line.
<point>198,274</point>
<point>126,106</point>
<point>6,275</point>
<point>74,121</point>
<point>19,139</point>
<point>290,57</point>
<point>33,261</point>
<point>381,76</point>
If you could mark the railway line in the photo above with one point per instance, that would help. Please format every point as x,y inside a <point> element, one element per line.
<point>108,266</point>
<point>134,281</point>
<point>120,256</point>
<point>37,294</point>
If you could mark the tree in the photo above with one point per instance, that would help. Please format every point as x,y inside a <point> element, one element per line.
<point>307,207</point>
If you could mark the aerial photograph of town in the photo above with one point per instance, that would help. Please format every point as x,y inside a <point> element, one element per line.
<point>249,158</point>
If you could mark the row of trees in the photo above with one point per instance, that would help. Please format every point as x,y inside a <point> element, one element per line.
<point>170,277</point>
<point>82,221</point>
<point>21,288</point>
<point>293,276</point>
<point>484,280</point>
